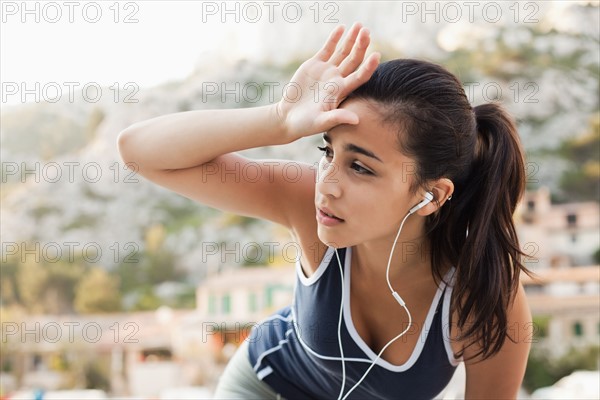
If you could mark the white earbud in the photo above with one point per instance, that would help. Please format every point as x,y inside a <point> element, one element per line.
<point>423,203</point>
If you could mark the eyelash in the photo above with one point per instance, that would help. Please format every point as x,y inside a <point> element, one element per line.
<point>358,169</point>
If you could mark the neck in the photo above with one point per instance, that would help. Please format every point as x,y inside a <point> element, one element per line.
<point>411,255</point>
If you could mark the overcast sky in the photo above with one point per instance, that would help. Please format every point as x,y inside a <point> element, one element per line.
<point>151,42</point>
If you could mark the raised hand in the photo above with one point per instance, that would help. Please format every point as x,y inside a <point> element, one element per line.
<point>310,103</point>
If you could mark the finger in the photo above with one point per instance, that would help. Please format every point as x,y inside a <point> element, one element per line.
<point>336,117</point>
<point>329,47</point>
<point>357,55</point>
<point>346,48</point>
<point>362,74</point>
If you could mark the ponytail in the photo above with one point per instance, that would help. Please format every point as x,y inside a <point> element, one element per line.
<point>480,152</point>
<point>490,258</point>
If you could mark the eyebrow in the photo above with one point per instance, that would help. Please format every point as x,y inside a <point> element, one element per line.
<point>354,148</point>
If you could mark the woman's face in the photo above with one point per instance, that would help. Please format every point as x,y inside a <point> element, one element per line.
<point>364,180</point>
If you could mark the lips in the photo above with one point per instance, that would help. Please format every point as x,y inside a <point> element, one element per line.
<point>329,213</point>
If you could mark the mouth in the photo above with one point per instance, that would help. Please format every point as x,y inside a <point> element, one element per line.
<point>325,213</point>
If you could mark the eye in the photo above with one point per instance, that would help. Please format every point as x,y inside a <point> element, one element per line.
<point>361,170</point>
<point>356,167</point>
<point>326,151</point>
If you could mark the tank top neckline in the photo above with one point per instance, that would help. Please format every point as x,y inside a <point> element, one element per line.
<point>359,340</point>
<point>330,254</point>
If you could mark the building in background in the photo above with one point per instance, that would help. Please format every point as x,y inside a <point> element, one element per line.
<point>231,303</point>
<point>143,354</point>
<point>135,354</point>
<point>557,235</point>
<point>565,305</point>
<point>562,243</point>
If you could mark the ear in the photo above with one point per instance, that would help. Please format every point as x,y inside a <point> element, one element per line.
<point>442,190</point>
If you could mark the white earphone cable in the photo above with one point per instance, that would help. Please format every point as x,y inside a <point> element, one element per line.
<point>339,329</point>
<point>396,296</point>
<point>380,353</point>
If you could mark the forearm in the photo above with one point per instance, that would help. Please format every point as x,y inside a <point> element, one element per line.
<point>188,139</point>
<point>192,138</point>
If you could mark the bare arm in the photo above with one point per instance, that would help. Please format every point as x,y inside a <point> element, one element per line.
<point>191,152</point>
<point>188,139</point>
<point>501,376</point>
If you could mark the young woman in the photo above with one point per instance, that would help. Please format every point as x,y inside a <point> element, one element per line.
<point>410,262</point>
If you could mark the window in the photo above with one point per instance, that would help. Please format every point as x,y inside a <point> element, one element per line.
<point>252,306</point>
<point>226,304</point>
<point>571,219</point>
<point>212,304</point>
<point>578,329</point>
<point>269,296</point>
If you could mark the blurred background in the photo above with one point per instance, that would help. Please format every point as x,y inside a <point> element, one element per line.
<point>112,287</point>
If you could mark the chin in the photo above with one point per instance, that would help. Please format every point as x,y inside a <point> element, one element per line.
<point>335,240</point>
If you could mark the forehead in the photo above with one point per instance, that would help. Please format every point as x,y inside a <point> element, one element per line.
<point>371,132</point>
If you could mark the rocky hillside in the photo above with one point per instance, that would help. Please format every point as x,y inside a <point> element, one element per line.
<point>64,186</point>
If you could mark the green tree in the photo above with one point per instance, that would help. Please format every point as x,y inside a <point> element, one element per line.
<point>160,266</point>
<point>59,290</point>
<point>96,376</point>
<point>146,300</point>
<point>582,180</point>
<point>44,285</point>
<point>543,370</point>
<point>97,292</point>
<point>32,278</point>
<point>157,263</point>
<point>9,284</point>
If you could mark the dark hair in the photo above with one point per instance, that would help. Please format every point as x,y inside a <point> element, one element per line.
<point>479,150</point>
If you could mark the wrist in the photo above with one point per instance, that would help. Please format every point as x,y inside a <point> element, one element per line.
<point>277,115</point>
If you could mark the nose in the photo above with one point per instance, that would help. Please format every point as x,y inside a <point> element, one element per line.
<point>329,179</point>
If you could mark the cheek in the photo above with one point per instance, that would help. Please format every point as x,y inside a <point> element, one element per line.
<point>372,205</point>
<point>380,209</point>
